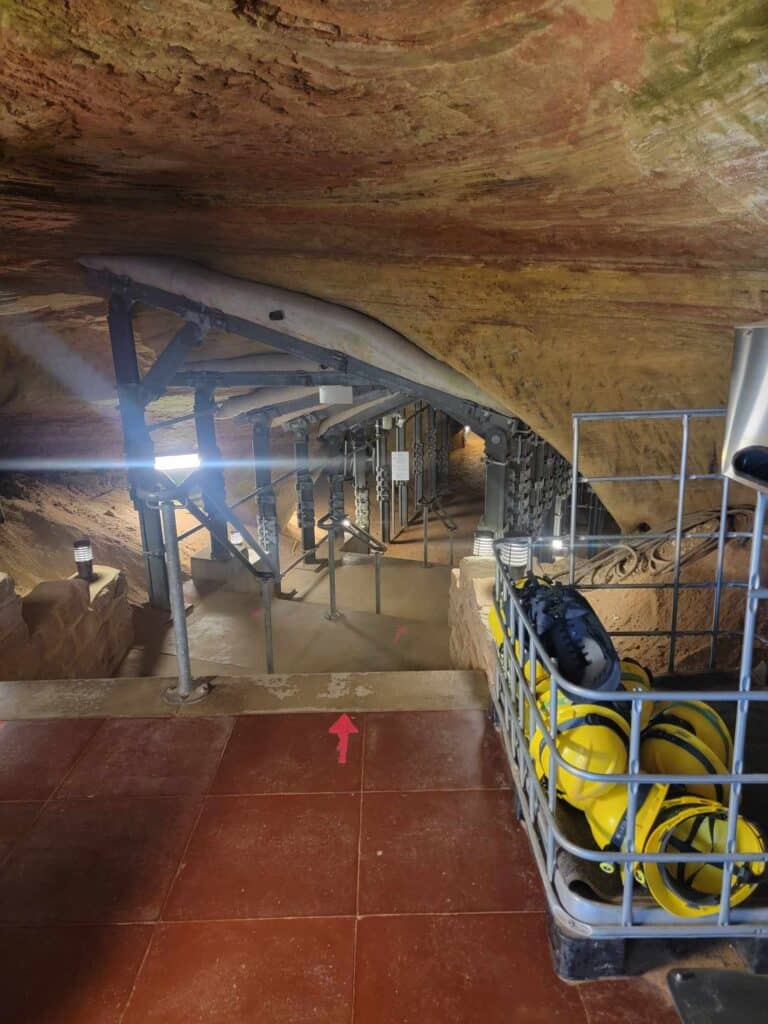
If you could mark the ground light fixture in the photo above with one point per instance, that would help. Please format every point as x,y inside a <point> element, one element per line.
<point>84,558</point>
<point>482,546</point>
<point>187,460</point>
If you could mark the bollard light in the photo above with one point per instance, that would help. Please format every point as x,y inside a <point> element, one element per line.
<point>84,559</point>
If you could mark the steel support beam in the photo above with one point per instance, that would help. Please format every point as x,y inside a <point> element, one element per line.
<point>480,418</point>
<point>139,449</point>
<point>431,452</point>
<point>213,475</point>
<point>164,369</point>
<point>305,490</point>
<point>401,485</point>
<point>383,481</point>
<point>266,502</point>
<point>496,484</point>
<point>360,461</point>
<point>418,456</point>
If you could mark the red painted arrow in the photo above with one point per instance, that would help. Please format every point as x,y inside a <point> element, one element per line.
<point>343,727</point>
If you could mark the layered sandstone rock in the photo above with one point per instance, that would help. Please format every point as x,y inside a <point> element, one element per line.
<point>64,629</point>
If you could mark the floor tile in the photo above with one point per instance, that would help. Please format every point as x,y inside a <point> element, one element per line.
<point>444,852</point>
<point>270,856</point>
<point>270,972</point>
<point>627,1001</point>
<point>69,974</point>
<point>35,756</point>
<point>472,969</point>
<point>149,757</point>
<point>15,819</point>
<point>107,859</point>
<point>433,750</point>
<point>288,754</point>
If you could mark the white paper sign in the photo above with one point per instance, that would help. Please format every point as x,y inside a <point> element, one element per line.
<point>401,469</point>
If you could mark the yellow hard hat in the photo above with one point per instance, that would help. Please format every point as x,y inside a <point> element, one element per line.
<point>607,816</point>
<point>636,679</point>
<point>693,889</point>
<point>668,749</point>
<point>701,719</point>
<point>590,737</point>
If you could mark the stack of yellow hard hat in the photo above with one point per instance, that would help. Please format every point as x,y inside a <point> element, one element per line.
<point>607,817</point>
<point>590,737</point>
<point>636,679</point>
<point>688,738</point>
<point>691,888</point>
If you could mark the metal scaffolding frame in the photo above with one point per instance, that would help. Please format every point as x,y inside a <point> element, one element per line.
<point>519,712</point>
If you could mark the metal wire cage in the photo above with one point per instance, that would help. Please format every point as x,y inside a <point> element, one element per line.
<point>520,711</point>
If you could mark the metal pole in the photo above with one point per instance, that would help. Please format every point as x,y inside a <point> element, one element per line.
<point>266,600</point>
<point>213,477</point>
<point>377,579</point>
<point>574,502</point>
<point>418,457</point>
<point>305,490</point>
<point>719,573</point>
<point>745,685</point>
<point>266,502</point>
<point>186,692</point>
<point>425,520</point>
<point>678,545</point>
<point>139,449</point>
<point>333,612</point>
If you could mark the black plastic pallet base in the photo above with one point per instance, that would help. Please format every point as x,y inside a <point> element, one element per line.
<point>755,954</point>
<point>579,959</point>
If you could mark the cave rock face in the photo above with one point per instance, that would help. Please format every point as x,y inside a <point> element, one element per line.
<point>565,201</point>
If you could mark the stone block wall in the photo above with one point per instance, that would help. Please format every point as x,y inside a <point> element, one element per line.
<point>471,644</point>
<point>64,629</point>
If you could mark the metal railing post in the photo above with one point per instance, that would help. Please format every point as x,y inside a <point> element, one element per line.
<point>425,521</point>
<point>678,545</point>
<point>186,691</point>
<point>266,600</point>
<point>377,579</point>
<point>574,502</point>
<point>333,613</point>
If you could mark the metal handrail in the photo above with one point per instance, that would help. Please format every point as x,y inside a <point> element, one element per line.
<point>332,525</point>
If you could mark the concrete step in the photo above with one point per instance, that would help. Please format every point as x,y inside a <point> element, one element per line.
<point>227,629</point>
<point>417,594</point>
<point>252,694</point>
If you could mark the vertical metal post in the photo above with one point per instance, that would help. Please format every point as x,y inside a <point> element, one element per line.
<point>425,539</point>
<point>383,477</point>
<point>431,452</point>
<point>139,450</point>
<point>634,789</point>
<point>402,486</point>
<point>305,490</point>
<point>574,502</point>
<point>213,476</point>
<point>745,685</point>
<point>266,601</point>
<point>333,612</point>
<point>266,503</point>
<point>360,476</point>
<point>176,595</point>
<point>496,482</point>
<point>719,573</point>
<point>377,579</point>
<point>678,543</point>
<point>418,457</point>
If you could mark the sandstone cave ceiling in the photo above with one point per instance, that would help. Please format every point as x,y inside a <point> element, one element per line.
<point>564,200</point>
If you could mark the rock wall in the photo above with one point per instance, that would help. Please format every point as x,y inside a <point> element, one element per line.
<point>66,628</point>
<point>471,644</point>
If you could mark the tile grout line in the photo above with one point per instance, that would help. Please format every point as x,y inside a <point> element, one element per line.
<point>202,796</point>
<point>359,865</point>
<point>153,924</point>
<point>51,796</point>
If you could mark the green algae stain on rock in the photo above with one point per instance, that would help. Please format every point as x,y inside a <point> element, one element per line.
<point>702,52</point>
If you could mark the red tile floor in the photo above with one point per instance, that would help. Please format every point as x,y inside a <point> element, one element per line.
<point>224,870</point>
